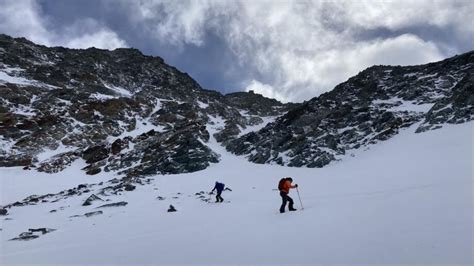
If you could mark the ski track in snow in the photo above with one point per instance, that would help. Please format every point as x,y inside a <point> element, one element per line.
<point>407,200</point>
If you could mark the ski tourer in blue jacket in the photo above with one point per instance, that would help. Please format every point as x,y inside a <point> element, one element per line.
<point>219,187</point>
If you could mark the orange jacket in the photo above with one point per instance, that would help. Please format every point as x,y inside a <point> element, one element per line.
<point>286,186</point>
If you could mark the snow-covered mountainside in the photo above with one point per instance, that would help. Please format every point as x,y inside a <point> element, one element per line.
<point>116,110</point>
<point>370,107</point>
<point>132,114</point>
<point>89,138</point>
<point>406,201</point>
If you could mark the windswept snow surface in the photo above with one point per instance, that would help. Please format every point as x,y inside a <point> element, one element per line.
<point>5,77</point>
<point>119,90</point>
<point>407,200</point>
<point>10,75</point>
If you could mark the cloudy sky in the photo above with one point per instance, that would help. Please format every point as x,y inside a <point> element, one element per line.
<point>289,50</point>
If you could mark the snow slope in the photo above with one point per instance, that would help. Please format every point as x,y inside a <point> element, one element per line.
<point>407,200</point>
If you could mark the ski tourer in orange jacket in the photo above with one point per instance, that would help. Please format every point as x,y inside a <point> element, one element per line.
<point>287,185</point>
<point>284,190</point>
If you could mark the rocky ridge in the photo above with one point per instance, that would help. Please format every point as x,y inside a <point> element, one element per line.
<point>370,107</point>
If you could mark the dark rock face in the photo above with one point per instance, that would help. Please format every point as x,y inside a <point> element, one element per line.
<point>455,109</point>
<point>117,110</point>
<point>3,211</point>
<point>256,103</point>
<point>95,154</point>
<point>370,107</point>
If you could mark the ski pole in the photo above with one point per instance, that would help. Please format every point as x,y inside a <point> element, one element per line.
<point>300,198</point>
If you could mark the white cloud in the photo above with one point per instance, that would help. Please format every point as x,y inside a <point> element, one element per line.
<point>398,14</point>
<point>406,49</point>
<point>85,33</point>
<point>104,39</point>
<point>265,90</point>
<point>304,48</point>
<point>25,19</point>
<point>303,74</point>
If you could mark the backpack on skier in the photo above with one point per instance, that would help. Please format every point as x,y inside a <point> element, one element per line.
<point>281,184</point>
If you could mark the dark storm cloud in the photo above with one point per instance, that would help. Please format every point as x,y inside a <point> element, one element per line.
<point>27,18</point>
<point>290,50</point>
<point>212,65</point>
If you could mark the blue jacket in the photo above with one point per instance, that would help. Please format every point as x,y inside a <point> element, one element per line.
<point>219,187</point>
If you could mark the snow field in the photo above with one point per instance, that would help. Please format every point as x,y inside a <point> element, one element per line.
<point>407,200</point>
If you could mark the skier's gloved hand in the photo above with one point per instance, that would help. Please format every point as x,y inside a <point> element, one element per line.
<point>296,185</point>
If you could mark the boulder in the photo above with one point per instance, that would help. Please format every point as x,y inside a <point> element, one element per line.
<point>117,146</point>
<point>171,209</point>
<point>94,171</point>
<point>129,187</point>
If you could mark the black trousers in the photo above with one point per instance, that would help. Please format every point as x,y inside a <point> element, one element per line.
<point>284,199</point>
<point>218,197</point>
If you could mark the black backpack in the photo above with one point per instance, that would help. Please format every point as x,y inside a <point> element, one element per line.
<point>281,183</point>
